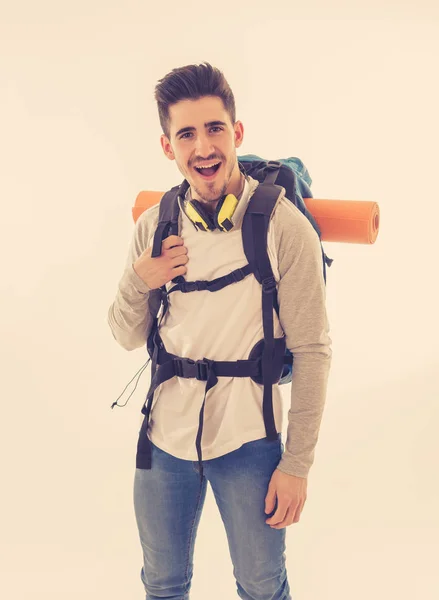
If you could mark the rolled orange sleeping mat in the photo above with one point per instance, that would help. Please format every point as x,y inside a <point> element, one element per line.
<point>350,221</point>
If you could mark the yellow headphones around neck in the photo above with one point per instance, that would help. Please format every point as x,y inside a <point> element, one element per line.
<point>221,219</point>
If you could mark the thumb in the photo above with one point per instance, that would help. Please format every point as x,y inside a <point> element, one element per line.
<point>270,501</point>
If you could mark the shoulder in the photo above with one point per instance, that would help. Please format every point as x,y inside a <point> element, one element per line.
<point>146,223</point>
<point>291,227</point>
<point>148,217</point>
<point>285,216</point>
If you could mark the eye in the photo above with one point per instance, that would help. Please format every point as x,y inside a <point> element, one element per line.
<point>182,137</point>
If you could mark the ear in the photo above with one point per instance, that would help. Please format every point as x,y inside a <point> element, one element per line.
<point>167,148</point>
<point>239,133</point>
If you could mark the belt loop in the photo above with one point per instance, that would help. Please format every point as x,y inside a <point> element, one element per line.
<point>202,368</point>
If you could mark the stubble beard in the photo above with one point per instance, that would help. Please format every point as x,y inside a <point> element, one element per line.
<point>209,202</point>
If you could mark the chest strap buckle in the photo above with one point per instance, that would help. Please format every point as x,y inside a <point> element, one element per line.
<point>188,368</point>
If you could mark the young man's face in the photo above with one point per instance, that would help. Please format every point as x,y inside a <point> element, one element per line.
<point>204,143</point>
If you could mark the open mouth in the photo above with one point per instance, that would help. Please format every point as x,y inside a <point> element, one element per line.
<point>210,172</point>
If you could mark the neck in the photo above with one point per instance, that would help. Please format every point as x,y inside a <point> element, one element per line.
<point>242,186</point>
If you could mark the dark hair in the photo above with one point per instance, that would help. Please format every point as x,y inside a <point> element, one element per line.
<point>191,83</point>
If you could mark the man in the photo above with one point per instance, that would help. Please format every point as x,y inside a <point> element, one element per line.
<point>260,489</point>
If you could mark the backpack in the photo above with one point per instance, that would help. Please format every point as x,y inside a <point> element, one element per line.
<point>269,362</point>
<point>289,173</point>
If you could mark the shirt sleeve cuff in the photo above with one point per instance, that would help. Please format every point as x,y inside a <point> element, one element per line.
<point>131,279</point>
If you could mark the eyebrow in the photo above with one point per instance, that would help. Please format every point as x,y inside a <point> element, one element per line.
<point>208,124</point>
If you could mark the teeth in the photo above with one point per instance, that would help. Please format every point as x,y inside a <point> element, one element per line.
<point>207,166</point>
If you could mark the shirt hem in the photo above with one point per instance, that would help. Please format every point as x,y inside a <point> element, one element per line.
<point>252,437</point>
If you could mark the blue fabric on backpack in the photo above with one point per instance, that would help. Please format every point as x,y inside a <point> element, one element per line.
<point>303,178</point>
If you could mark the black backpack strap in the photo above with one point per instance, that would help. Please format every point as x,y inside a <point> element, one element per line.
<point>169,210</point>
<point>254,235</point>
<point>282,175</point>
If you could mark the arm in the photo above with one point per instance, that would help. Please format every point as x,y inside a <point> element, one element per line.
<point>131,314</point>
<point>303,317</point>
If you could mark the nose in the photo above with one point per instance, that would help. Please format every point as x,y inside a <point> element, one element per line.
<point>204,147</point>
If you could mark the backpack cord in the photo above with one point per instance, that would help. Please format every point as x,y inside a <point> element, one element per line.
<point>122,405</point>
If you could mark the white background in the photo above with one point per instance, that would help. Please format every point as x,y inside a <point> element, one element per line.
<point>353,92</point>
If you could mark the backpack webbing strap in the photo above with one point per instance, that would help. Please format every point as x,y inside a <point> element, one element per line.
<point>255,233</point>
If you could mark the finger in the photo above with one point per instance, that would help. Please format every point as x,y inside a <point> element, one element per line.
<point>172,240</point>
<point>279,515</point>
<point>298,512</point>
<point>177,251</point>
<point>179,260</point>
<point>288,520</point>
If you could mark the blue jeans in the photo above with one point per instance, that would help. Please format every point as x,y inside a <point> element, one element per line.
<point>169,499</point>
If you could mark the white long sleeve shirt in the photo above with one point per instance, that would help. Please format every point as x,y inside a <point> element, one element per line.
<point>224,326</point>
